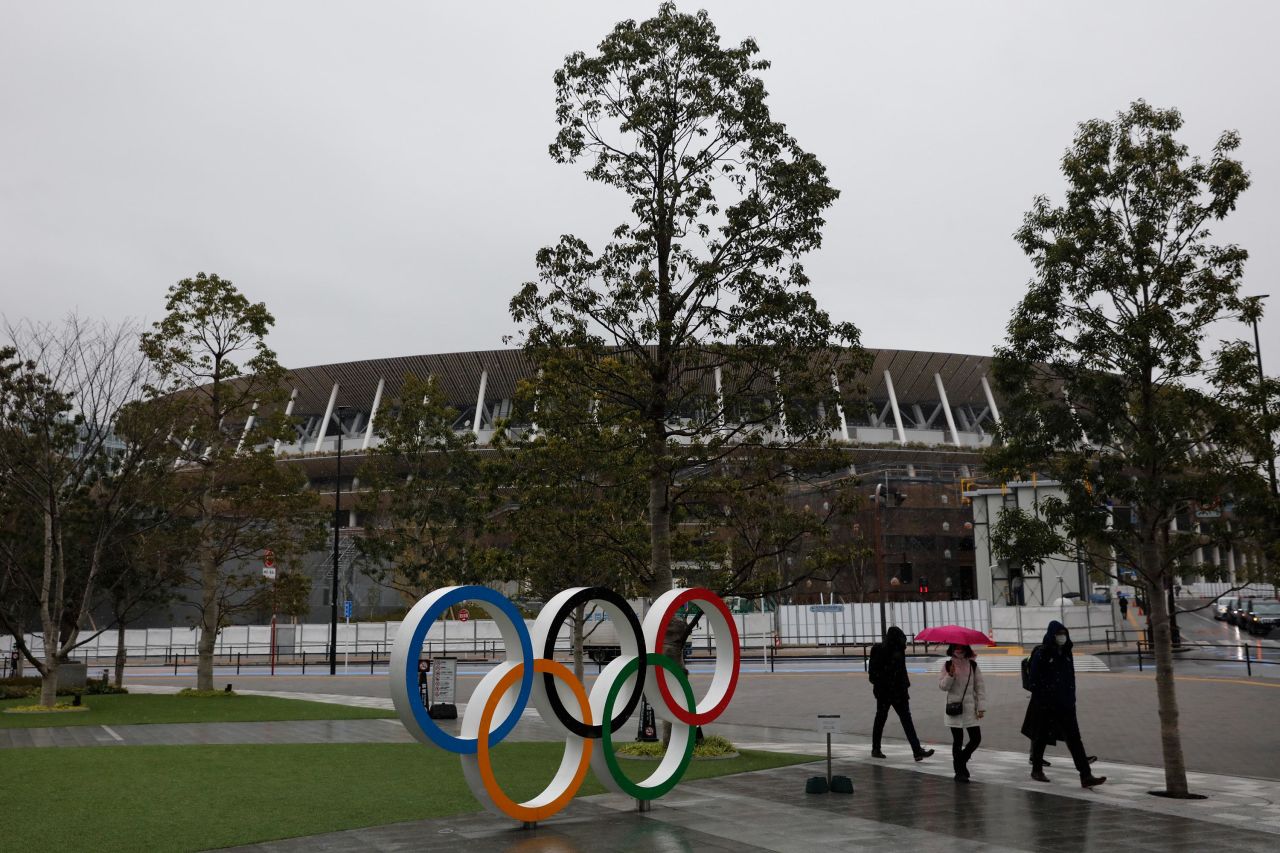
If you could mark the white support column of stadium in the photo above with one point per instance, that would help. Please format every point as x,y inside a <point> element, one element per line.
<point>893,403</point>
<point>373,413</point>
<point>324,422</point>
<point>844,424</point>
<point>719,399</point>
<point>946,409</point>
<point>288,410</point>
<point>484,383</point>
<point>991,400</point>
<point>248,425</point>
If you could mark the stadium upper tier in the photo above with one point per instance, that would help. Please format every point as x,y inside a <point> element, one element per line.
<point>940,399</point>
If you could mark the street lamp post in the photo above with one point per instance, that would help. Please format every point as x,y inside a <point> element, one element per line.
<point>337,526</point>
<point>1257,351</point>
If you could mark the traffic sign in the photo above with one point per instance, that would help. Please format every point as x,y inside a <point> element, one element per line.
<point>269,558</point>
<point>346,609</point>
<point>269,572</point>
<point>463,615</point>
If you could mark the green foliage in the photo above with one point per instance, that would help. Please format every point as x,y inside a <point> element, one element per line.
<point>1111,385</point>
<point>682,336</point>
<point>426,489</point>
<point>216,373</point>
<point>1024,539</point>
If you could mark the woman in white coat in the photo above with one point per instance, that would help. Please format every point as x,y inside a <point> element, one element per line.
<point>966,705</point>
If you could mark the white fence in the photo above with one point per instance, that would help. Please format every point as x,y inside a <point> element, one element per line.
<point>794,625</point>
<point>1027,625</point>
<point>1203,589</point>
<point>836,624</point>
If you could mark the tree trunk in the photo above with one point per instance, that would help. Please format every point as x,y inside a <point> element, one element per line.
<point>659,535</point>
<point>120,655</point>
<point>49,682</point>
<point>1175,768</point>
<point>208,622</point>
<point>579,617</point>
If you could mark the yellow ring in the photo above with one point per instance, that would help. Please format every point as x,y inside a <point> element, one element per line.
<point>510,807</point>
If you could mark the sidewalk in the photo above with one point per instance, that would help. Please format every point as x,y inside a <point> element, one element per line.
<point>893,810</point>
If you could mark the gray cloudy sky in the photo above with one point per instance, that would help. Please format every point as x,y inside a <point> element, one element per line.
<point>377,172</point>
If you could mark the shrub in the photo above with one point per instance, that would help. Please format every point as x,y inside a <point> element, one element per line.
<point>191,692</point>
<point>712,746</point>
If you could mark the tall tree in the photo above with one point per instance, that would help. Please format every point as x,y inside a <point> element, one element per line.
<point>212,360</point>
<point>424,489</point>
<point>1113,387</point>
<point>78,466</point>
<point>693,325</point>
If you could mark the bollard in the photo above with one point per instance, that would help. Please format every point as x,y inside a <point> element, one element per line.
<point>371,663</point>
<point>304,661</point>
<point>1248,664</point>
<point>237,663</point>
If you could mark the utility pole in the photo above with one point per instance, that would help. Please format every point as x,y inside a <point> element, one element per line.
<point>1257,351</point>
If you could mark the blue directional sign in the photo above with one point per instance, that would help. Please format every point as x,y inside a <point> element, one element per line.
<point>346,609</point>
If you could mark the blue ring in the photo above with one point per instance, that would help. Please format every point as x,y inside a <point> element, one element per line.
<point>442,739</point>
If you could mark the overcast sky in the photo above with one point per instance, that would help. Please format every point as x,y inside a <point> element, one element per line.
<point>377,173</point>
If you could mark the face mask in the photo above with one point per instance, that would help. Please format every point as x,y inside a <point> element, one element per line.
<point>958,653</point>
<point>1061,639</point>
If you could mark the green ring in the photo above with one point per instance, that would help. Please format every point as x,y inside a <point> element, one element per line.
<point>632,789</point>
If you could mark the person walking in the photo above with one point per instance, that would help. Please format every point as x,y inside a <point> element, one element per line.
<point>1051,713</point>
<point>887,668</point>
<point>966,705</point>
<point>1124,606</point>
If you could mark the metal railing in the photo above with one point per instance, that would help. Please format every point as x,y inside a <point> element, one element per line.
<point>1145,654</point>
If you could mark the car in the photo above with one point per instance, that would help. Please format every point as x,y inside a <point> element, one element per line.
<point>1237,611</point>
<point>1223,608</point>
<point>1262,616</point>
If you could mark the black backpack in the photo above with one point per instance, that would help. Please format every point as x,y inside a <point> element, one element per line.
<point>875,663</point>
<point>1026,669</point>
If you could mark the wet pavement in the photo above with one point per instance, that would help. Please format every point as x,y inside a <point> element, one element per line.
<point>891,810</point>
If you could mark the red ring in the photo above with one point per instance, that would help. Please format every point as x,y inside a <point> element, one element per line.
<point>677,708</point>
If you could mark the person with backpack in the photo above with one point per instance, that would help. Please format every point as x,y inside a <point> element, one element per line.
<point>966,705</point>
<point>1051,713</point>
<point>887,668</point>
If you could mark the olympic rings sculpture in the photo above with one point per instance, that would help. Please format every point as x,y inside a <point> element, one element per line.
<point>530,674</point>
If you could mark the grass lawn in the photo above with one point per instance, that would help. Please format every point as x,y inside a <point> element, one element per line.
<point>123,710</point>
<point>169,798</point>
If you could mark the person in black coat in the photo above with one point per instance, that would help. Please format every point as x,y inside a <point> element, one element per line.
<point>1051,713</point>
<point>887,667</point>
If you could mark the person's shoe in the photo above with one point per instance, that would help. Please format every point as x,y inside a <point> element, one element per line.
<point>875,753</point>
<point>1037,774</point>
<point>1092,781</point>
<point>1045,763</point>
<point>1092,758</point>
<point>962,778</point>
<point>923,754</point>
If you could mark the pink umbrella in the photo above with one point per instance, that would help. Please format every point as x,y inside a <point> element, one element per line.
<point>957,634</point>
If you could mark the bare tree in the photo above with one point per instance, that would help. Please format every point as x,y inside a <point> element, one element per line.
<point>78,461</point>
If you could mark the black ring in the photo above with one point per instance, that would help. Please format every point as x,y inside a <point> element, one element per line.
<point>582,596</point>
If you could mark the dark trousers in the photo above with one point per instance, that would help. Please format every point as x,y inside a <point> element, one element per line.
<point>903,706</point>
<point>960,754</point>
<point>1074,745</point>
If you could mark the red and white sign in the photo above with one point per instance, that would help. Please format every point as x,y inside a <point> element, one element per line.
<point>269,558</point>
<point>463,615</point>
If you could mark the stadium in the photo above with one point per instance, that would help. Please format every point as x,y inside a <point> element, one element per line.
<point>918,426</point>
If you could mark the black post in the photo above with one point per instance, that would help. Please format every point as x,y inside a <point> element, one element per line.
<point>1257,351</point>
<point>337,523</point>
